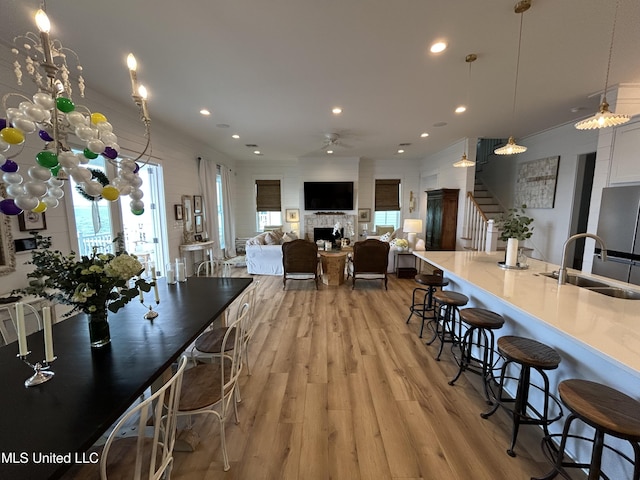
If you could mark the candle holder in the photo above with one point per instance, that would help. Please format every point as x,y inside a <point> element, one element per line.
<point>151,314</point>
<point>42,372</point>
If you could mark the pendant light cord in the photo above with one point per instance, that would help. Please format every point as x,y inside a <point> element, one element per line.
<point>515,88</point>
<point>613,33</point>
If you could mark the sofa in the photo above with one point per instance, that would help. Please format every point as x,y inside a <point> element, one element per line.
<point>264,252</point>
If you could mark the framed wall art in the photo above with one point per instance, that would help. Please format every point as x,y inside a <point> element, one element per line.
<point>197,204</point>
<point>199,223</point>
<point>29,221</point>
<point>292,215</point>
<point>177,211</point>
<point>364,215</point>
<point>536,183</point>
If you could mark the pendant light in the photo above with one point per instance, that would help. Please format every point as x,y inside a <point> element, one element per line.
<point>511,148</point>
<point>464,162</point>
<point>604,118</point>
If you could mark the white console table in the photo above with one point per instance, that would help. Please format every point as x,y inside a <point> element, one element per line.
<point>204,247</point>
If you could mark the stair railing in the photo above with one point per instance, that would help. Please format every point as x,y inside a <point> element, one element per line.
<point>475,224</point>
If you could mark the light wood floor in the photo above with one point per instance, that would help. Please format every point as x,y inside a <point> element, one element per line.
<point>343,388</point>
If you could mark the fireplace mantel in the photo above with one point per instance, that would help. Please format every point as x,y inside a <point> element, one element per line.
<point>329,220</point>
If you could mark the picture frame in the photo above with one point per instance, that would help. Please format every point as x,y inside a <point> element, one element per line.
<point>178,212</point>
<point>29,221</point>
<point>197,204</point>
<point>364,215</point>
<point>199,223</point>
<point>292,215</point>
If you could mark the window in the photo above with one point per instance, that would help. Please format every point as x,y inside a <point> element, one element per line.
<point>387,203</point>
<point>268,206</point>
<point>220,207</point>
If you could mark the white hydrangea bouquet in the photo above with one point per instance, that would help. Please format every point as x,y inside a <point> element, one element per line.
<point>88,283</point>
<point>402,244</point>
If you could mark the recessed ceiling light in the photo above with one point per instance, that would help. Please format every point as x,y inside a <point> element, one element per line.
<point>336,110</point>
<point>205,112</point>
<point>461,109</point>
<point>424,135</point>
<point>257,152</point>
<point>438,47</point>
<point>329,152</point>
<point>400,150</point>
<point>235,135</point>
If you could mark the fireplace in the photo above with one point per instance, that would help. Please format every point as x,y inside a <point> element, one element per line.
<point>322,233</point>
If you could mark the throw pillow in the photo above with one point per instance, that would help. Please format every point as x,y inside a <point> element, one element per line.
<point>271,239</point>
<point>287,238</point>
<point>385,238</point>
<point>257,240</point>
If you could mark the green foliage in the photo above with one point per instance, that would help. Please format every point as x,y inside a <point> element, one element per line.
<point>515,224</point>
<point>89,282</point>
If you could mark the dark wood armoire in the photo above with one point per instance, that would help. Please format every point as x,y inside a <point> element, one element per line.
<point>442,218</point>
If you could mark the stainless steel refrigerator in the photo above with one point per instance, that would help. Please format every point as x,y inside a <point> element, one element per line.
<point>618,226</point>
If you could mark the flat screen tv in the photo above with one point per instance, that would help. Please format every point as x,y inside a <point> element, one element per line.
<point>337,196</point>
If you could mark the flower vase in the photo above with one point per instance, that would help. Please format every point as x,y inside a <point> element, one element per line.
<point>99,328</point>
<point>511,259</point>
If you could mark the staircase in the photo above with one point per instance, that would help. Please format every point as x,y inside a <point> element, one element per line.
<point>481,208</point>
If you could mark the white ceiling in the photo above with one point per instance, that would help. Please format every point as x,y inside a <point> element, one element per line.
<point>273,69</point>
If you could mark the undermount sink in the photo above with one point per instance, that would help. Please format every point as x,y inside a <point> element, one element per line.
<point>596,286</point>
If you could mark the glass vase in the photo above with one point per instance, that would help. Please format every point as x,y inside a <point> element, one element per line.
<point>99,328</point>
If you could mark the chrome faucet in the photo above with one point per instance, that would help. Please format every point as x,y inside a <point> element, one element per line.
<point>562,273</point>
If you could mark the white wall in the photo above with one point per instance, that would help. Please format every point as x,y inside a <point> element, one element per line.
<point>551,226</point>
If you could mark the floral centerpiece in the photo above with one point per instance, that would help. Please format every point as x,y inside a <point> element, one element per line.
<point>515,227</point>
<point>401,244</point>
<point>90,283</point>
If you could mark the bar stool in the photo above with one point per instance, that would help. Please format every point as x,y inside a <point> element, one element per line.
<point>528,354</point>
<point>422,298</point>
<point>447,304</point>
<point>609,412</point>
<point>478,340</point>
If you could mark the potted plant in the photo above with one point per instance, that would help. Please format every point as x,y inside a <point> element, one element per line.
<point>515,226</point>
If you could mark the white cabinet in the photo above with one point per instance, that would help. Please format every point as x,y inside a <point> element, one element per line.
<point>625,162</point>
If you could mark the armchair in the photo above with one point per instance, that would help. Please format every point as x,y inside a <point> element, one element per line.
<point>300,261</point>
<point>370,258</point>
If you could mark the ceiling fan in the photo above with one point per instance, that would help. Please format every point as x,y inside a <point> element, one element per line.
<point>332,141</point>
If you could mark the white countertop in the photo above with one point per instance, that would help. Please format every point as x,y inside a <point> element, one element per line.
<point>609,326</point>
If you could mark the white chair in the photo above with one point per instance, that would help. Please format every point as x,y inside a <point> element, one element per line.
<point>210,388</point>
<point>9,333</point>
<point>140,457</point>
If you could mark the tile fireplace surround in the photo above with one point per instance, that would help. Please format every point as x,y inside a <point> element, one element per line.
<point>318,221</point>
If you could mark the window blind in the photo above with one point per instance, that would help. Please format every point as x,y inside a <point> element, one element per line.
<point>387,195</point>
<point>268,196</point>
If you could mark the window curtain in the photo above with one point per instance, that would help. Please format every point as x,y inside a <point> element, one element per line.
<point>387,196</point>
<point>268,196</point>
<point>207,173</point>
<point>228,211</point>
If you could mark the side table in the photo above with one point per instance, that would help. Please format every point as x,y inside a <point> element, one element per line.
<point>408,270</point>
<point>333,264</point>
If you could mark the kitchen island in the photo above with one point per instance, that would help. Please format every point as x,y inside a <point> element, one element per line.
<point>598,337</point>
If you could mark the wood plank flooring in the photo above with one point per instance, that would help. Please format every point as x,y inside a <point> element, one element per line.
<point>343,388</point>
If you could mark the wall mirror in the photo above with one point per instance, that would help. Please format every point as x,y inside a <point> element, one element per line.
<point>187,211</point>
<point>7,249</point>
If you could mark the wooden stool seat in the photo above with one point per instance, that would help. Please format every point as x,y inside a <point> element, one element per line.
<point>609,412</point>
<point>481,318</point>
<point>432,280</point>
<point>422,298</point>
<point>531,356</point>
<point>526,351</point>
<point>603,408</point>
<point>447,297</point>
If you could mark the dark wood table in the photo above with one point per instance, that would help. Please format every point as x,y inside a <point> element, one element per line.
<point>91,389</point>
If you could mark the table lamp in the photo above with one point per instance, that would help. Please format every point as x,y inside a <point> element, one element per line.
<point>412,226</point>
